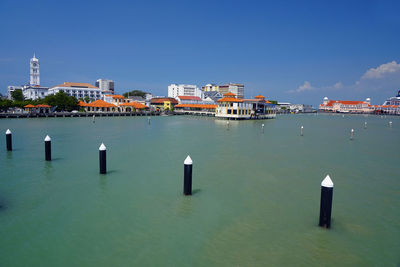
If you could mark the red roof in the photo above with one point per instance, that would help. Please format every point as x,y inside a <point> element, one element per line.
<point>259,97</point>
<point>229,94</point>
<point>117,96</point>
<point>203,106</point>
<point>134,104</point>
<point>29,106</point>
<point>69,84</point>
<point>101,104</point>
<point>230,99</point>
<point>184,97</point>
<point>42,106</point>
<point>163,99</point>
<point>83,104</point>
<point>343,102</point>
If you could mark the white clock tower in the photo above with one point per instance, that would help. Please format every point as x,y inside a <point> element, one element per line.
<point>34,73</point>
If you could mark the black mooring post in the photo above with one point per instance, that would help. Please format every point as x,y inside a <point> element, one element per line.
<point>103,159</point>
<point>326,202</point>
<point>9,140</point>
<point>47,148</point>
<point>187,179</point>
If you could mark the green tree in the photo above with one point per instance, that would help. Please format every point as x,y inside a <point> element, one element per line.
<point>273,102</point>
<point>17,95</point>
<point>63,101</point>
<point>135,93</point>
<point>86,99</point>
<point>5,104</point>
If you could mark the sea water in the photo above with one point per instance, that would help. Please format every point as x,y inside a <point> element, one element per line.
<point>255,195</point>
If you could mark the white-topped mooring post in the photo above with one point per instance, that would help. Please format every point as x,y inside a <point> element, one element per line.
<point>94,118</point>
<point>103,158</point>
<point>390,124</point>
<point>187,176</point>
<point>325,210</point>
<point>227,125</point>
<point>9,140</point>
<point>47,148</point>
<point>365,125</point>
<point>262,127</point>
<point>352,134</point>
<point>148,119</point>
<point>301,130</point>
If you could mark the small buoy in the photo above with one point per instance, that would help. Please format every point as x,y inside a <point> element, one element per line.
<point>301,130</point>
<point>390,123</point>
<point>352,134</point>
<point>365,125</point>
<point>93,118</point>
<point>262,127</point>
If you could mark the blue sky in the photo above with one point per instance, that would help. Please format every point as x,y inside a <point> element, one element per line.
<point>296,51</point>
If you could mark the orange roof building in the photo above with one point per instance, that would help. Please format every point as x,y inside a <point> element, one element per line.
<point>346,106</point>
<point>196,106</point>
<point>133,104</point>
<point>77,90</point>
<point>232,107</point>
<point>77,85</point>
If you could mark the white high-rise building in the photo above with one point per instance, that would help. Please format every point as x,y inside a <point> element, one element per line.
<point>105,85</point>
<point>34,72</point>
<point>175,90</point>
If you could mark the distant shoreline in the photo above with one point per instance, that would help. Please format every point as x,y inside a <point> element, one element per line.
<point>136,114</point>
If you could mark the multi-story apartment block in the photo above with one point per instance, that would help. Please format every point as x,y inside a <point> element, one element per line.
<point>175,90</point>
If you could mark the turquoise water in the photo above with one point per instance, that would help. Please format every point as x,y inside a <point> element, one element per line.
<point>255,202</point>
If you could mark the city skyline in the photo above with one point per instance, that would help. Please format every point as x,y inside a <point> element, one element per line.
<point>293,52</point>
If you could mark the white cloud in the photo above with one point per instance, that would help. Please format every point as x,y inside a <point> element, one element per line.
<point>382,70</point>
<point>305,87</point>
<point>338,85</point>
<point>384,77</point>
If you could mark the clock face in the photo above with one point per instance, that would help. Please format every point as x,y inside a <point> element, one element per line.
<point>34,64</point>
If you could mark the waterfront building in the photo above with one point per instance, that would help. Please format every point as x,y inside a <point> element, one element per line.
<point>300,108</point>
<point>131,106</point>
<point>389,109</point>
<point>115,99</point>
<point>189,99</point>
<point>98,106</point>
<point>35,92</point>
<point>41,108</point>
<point>175,90</point>
<point>345,106</point>
<point>196,108</point>
<point>393,101</point>
<point>112,103</point>
<point>235,88</point>
<point>78,90</point>
<point>163,103</point>
<point>232,107</point>
<point>105,85</point>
